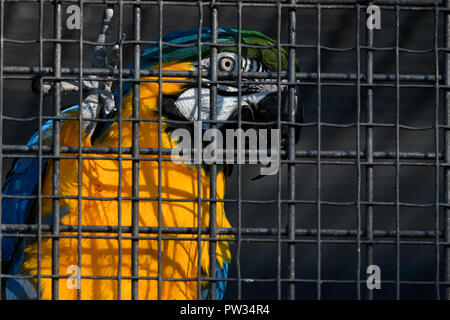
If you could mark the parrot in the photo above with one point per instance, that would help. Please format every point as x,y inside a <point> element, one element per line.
<point>103,195</point>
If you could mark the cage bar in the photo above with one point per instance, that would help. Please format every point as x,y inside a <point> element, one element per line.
<point>279,180</point>
<point>135,148</point>
<point>436,146</point>
<point>80,154</point>
<point>121,36</point>
<point>291,148</point>
<point>2,28</point>
<point>319,160</point>
<point>239,167</point>
<point>447,154</point>
<point>369,150</point>
<point>213,169</point>
<point>160,46</point>
<point>199,167</point>
<point>358,152</point>
<point>57,16</point>
<point>40,123</point>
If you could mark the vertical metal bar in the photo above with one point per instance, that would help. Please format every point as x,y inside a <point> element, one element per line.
<point>436,150</point>
<point>119,155</point>
<point>369,152</point>
<point>40,123</point>
<point>80,154</point>
<point>397,152</point>
<point>56,148</point>
<point>160,84</point>
<point>279,95</point>
<point>2,10</point>
<point>199,166</point>
<point>291,149</point>
<point>213,167</point>
<point>239,167</point>
<point>447,152</point>
<point>358,150</point>
<point>135,151</point>
<point>319,147</point>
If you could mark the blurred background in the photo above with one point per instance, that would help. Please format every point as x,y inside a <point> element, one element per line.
<point>418,107</point>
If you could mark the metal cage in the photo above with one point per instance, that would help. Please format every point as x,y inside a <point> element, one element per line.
<point>338,205</point>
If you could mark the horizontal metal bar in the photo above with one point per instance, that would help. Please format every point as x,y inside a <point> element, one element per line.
<point>222,231</point>
<point>406,163</point>
<point>348,154</point>
<point>250,2</point>
<point>229,279</point>
<point>194,74</point>
<point>257,239</point>
<point>231,200</point>
<point>253,123</point>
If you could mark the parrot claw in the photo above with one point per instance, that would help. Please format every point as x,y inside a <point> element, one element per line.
<point>109,105</point>
<point>100,98</point>
<point>257,177</point>
<point>112,60</point>
<point>46,87</point>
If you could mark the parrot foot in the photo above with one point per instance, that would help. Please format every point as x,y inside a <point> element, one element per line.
<point>98,89</point>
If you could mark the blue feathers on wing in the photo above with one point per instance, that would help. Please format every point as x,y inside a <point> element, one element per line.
<point>221,273</point>
<point>21,181</point>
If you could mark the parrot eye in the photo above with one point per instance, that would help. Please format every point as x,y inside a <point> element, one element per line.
<point>227,64</point>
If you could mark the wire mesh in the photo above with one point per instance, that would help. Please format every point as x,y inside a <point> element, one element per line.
<point>291,279</point>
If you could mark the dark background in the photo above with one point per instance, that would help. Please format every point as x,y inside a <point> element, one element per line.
<point>339,106</point>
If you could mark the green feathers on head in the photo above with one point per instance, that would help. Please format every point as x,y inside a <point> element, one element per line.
<point>268,56</point>
<point>263,48</point>
<point>183,46</point>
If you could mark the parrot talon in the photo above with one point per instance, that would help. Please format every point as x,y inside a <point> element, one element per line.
<point>47,87</point>
<point>113,57</point>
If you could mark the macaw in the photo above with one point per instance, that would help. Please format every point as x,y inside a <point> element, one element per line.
<point>105,257</point>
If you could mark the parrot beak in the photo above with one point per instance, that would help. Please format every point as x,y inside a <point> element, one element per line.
<point>259,103</point>
<point>267,110</point>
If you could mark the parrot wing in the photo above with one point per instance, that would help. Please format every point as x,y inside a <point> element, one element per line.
<point>221,273</point>
<point>22,182</point>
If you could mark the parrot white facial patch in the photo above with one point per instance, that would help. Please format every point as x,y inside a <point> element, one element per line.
<point>187,104</point>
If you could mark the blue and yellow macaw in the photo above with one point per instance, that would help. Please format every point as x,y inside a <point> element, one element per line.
<point>100,178</point>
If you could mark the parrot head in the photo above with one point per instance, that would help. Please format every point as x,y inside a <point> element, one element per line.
<point>261,99</point>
